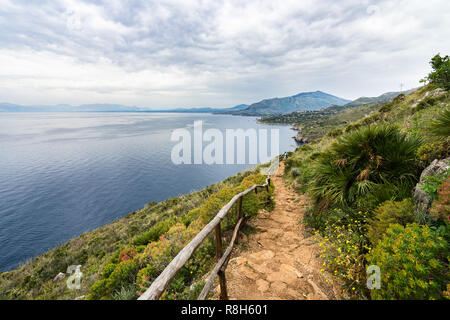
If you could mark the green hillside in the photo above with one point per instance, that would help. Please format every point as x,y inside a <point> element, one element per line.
<point>119,260</point>
<point>315,124</point>
<point>361,178</point>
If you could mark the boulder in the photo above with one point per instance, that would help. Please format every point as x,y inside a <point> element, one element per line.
<point>59,277</point>
<point>429,94</point>
<point>422,199</point>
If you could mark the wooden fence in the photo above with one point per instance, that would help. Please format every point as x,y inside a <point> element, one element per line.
<point>163,280</point>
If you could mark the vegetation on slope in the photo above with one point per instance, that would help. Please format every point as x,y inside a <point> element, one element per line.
<point>360,178</point>
<point>315,124</point>
<point>120,260</point>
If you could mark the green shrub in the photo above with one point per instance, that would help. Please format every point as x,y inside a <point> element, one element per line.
<point>108,270</point>
<point>440,75</point>
<point>431,184</point>
<point>190,216</point>
<point>295,172</point>
<point>441,126</point>
<point>424,104</point>
<point>414,263</point>
<point>155,232</point>
<point>433,150</point>
<point>335,133</point>
<point>344,247</point>
<point>123,274</point>
<point>386,108</point>
<point>98,290</point>
<point>126,293</point>
<point>363,164</point>
<point>390,212</point>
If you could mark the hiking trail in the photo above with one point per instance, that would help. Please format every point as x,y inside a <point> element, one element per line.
<point>279,261</point>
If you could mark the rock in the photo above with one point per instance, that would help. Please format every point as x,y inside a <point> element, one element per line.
<point>422,199</point>
<point>262,285</point>
<point>288,268</point>
<point>278,287</point>
<point>429,94</point>
<point>59,277</point>
<point>262,256</point>
<point>80,298</point>
<point>300,139</point>
<point>286,277</point>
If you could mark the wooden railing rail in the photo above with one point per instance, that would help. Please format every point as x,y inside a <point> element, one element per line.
<point>163,280</point>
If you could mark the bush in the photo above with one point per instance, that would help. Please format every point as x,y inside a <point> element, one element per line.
<point>386,108</point>
<point>424,104</point>
<point>431,184</point>
<point>126,293</point>
<point>440,75</point>
<point>433,150</point>
<point>295,172</point>
<point>388,213</point>
<point>108,270</point>
<point>413,263</point>
<point>441,208</point>
<point>344,247</point>
<point>155,232</point>
<point>335,133</point>
<point>127,254</point>
<point>123,274</point>
<point>366,167</point>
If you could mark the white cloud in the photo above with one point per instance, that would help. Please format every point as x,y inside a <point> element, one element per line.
<point>206,53</point>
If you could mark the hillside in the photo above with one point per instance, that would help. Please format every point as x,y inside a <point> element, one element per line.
<point>314,124</point>
<point>365,207</point>
<point>302,101</point>
<point>104,253</point>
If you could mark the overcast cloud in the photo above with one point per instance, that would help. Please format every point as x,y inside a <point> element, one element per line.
<point>181,53</point>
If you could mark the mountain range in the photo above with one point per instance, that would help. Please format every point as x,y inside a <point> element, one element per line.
<point>305,101</point>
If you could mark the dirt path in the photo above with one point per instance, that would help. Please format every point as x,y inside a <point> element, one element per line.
<point>278,262</point>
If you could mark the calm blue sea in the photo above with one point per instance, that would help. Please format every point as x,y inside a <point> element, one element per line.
<point>62,174</point>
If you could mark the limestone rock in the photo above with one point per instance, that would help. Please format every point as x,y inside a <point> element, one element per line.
<point>421,197</point>
<point>59,277</point>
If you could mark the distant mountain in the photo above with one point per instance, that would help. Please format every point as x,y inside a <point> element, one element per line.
<point>10,107</point>
<point>300,102</point>
<point>356,107</point>
<point>385,97</point>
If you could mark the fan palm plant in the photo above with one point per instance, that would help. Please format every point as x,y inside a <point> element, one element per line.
<point>441,126</point>
<point>372,164</point>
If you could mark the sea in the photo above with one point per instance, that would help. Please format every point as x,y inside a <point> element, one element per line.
<point>63,174</point>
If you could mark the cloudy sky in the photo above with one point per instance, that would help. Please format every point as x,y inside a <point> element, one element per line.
<point>182,53</point>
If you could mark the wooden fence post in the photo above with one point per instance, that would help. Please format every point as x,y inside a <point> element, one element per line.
<point>221,274</point>
<point>239,215</point>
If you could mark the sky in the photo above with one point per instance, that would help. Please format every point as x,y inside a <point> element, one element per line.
<point>182,53</point>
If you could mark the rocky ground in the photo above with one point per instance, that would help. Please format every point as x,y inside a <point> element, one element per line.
<point>279,261</point>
